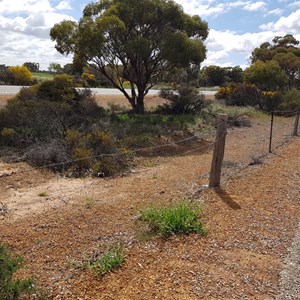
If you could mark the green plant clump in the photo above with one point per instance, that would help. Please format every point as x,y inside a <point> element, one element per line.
<point>180,217</point>
<point>109,260</point>
<point>10,288</point>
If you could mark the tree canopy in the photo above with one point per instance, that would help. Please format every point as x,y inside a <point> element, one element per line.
<point>32,66</point>
<point>216,75</point>
<point>134,41</point>
<point>285,52</point>
<point>266,75</point>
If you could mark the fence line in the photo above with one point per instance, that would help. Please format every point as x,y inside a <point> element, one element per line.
<point>258,156</point>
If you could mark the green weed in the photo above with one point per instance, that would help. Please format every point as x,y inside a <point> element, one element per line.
<point>11,288</point>
<point>181,217</point>
<point>109,260</point>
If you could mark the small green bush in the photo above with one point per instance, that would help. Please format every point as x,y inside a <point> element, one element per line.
<point>95,153</point>
<point>184,100</point>
<point>109,260</point>
<point>181,217</point>
<point>11,288</point>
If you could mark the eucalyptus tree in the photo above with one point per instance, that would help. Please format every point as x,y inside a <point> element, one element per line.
<point>134,42</point>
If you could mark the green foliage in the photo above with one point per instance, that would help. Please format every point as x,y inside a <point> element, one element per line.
<point>270,100</point>
<point>47,110</point>
<point>185,100</point>
<point>180,217</point>
<point>95,152</point>
<point>55,68</point>
<point>237,116</point>
<point>217,76</point>
<point>142,130</point>
<point>108,261</point>
<point>21,75</point>
<point>60,89</point>
<point>11,288</point>
<point>280,44</point>
<point>284,51</point>
<point>31,66</point>
<point>6,77</point>
<point>268,76</point>
<point>37,120</point>
<point>250,95</point>
<point>291,100</point>
<point>150,37</point>
<point>240,95</point>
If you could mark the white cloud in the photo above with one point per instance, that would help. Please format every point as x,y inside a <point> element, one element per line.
<point>259,5</point>
<point>24,32</point>
<point>208,8</point>
<point>275,12</point>
<point>29,6</point>
<point>64,5</point>
<point>222,45</point>
<point>289,24</point>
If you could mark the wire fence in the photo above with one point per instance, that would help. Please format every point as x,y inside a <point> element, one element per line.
<point>265,137</point>
<point>245,146</point>
<point>246,152</point>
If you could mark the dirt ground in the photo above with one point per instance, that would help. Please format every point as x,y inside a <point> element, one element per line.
<point>105,101</point>
<point>57,224</point>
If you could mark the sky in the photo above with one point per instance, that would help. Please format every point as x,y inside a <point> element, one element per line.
<point>235,28</point>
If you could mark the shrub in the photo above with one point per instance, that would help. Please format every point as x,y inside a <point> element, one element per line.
<point>184,100</point>
<point>11,288</point>
<point>270,100</point>
<point>53,154</point>
<point>60,89</point>
<point>225,91</point>
<point>21,75</point>
<point>95,153</point>
<point>90,79</point>
<point>180,217</point>
<point>109,260</point>
<point>243,95</point>
<point>7,135</point>
<point>36,120</point>
<point>290,101</point>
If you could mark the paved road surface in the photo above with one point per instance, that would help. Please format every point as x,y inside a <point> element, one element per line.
<point>12,90</point>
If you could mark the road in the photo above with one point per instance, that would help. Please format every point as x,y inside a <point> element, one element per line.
<point>12,90</point>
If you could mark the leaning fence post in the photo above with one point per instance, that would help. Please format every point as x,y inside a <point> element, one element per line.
<point>295,132</point>
<point>219,149</point>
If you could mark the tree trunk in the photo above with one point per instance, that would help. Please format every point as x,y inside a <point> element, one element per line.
<point>139,105</point>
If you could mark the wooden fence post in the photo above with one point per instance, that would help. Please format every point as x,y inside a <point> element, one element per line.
<point>219,149</point>
<point>295,132</point>
<point>271,132</point>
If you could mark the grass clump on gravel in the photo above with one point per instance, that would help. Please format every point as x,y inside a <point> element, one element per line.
<point>109,260</point>
<point>10,287</point>
<point>179,217</point>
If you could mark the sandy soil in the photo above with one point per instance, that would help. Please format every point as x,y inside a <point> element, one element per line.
<point>58,224</point>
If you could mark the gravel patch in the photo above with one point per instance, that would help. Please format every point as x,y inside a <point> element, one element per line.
<point>290,275</point>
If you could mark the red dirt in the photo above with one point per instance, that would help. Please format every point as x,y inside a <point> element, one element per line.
<point>58,224</point>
